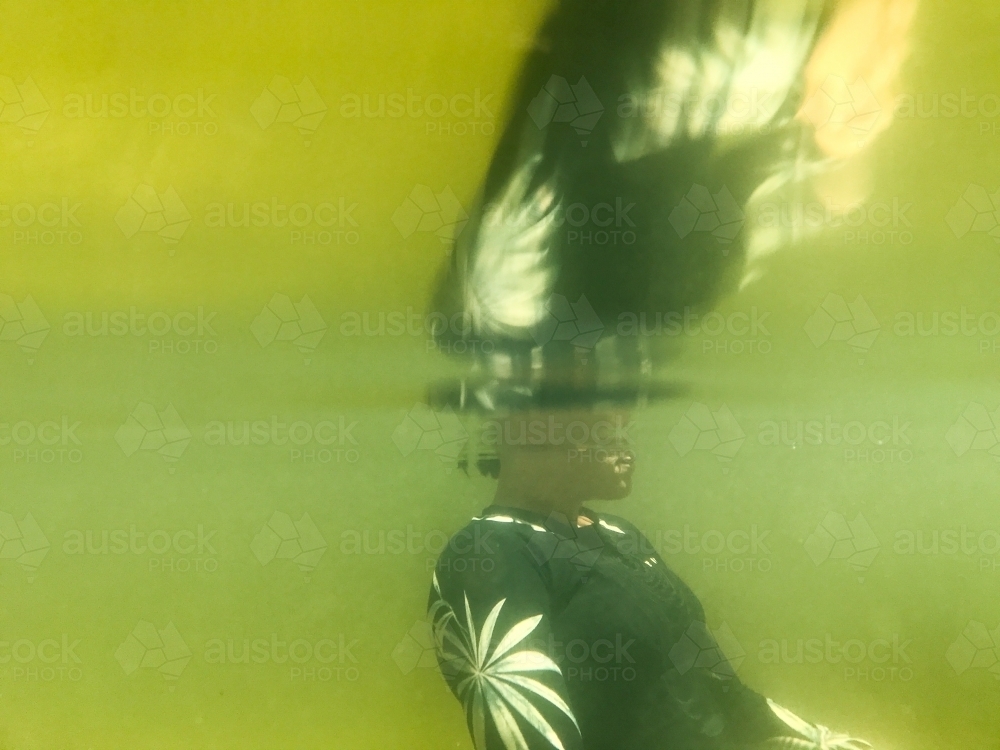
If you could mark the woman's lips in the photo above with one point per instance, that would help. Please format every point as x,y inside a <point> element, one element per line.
<point>624,465</point>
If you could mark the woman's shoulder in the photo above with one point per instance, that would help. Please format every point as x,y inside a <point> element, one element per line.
<point>491,527</point>
<point>616,526</point>
<point>494,539</point>
<point>494,557</point>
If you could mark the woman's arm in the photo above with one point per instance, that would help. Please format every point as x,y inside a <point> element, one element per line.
<point>491,615</point>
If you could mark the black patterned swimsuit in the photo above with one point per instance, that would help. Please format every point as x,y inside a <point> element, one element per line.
<point>565,637</point>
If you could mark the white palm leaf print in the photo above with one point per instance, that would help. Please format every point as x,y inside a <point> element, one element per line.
<point>817,736</point>
<point>497,682</point>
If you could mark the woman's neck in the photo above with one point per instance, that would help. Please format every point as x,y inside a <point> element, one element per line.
<point>538,502</point>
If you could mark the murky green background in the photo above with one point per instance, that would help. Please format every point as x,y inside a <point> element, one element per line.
<point>104,433</point>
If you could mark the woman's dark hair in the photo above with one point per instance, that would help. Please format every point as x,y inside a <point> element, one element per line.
<point>638,133</point>
<point>642,110</point>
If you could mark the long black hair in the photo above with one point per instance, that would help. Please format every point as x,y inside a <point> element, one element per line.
<point>638,132</point>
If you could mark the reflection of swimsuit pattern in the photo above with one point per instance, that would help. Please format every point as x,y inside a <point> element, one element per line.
<point>550,646</point>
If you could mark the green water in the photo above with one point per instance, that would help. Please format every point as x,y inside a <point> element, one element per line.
<point>71,617</point>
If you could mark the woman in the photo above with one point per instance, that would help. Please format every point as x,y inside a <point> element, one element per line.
<point>562,627</point>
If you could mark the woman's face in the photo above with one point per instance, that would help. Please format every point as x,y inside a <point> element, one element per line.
<point>610,473</point>
<point>587,453</point>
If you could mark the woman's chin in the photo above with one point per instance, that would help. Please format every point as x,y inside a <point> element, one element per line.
<point>619,489</point>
